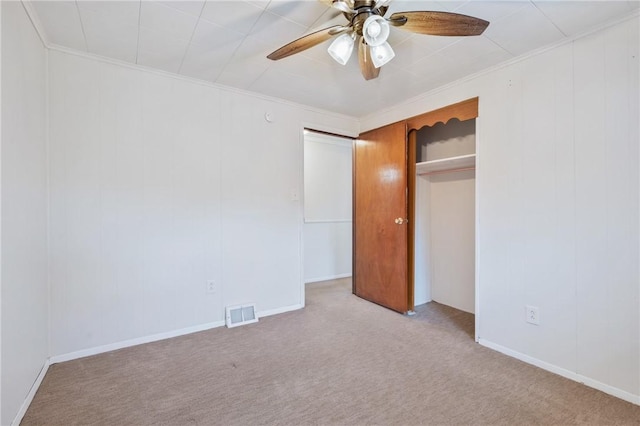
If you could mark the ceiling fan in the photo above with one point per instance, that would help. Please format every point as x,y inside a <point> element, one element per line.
<point>369,29</point>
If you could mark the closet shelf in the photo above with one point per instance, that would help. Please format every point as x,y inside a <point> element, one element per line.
<point>446,164</point>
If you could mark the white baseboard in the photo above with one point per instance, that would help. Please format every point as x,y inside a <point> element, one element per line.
<point>155,337</point>
<point>125,344</point>
<point>331,277</point>
<point>31,394</point>
<point>277,311</point>
<point>611,390</point>
<point>160,336</point>
<point>133,342</point>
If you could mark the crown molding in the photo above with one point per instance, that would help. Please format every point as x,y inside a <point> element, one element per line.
<point>426,95</point>
<point>158,72</point>
<point>37,24</point>
<point>35,21</point>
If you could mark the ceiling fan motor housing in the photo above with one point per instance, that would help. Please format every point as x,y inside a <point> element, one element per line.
<point>363,10</point>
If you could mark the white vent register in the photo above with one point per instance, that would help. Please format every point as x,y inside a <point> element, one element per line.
<point>241,315</point>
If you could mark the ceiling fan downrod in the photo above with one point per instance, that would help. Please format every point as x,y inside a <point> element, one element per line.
<point>362,10</point>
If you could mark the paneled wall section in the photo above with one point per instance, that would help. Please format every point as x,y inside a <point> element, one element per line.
<point>159,185</point>
<point>23,189</point>
<point>558,205</point>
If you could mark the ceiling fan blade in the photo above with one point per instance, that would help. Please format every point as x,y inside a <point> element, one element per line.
<point>305,42</point>
<point>369,72</point>
<point>342,5</point>
<point>439,23</point>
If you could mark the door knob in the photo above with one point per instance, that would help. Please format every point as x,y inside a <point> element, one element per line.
<point>400,221</point>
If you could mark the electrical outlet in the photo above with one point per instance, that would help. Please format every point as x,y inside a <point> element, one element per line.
<point>211,287</point>
<point>533,315</point>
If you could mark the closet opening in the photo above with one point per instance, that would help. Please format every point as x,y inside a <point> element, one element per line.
<point>444,230</point>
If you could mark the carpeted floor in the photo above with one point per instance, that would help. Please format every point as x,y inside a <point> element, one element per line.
<point>452,319</point>
<point>341,360</point>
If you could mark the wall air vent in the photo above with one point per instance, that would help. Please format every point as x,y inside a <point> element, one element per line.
<point>241,315</point>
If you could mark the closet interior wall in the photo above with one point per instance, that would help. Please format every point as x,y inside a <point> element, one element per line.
<point>445,216</point>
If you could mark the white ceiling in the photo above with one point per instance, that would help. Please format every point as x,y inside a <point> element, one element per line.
<point>226,42</point>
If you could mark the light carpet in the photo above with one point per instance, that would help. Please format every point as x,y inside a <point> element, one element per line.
<point>339,361</point>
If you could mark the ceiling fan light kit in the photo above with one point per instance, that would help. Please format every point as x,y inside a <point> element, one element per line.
<point>381,54</point>
<point>375,30</point>
<point>368,26</point>
<point>341,48</point>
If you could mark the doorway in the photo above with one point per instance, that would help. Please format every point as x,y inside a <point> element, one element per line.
<point>327,228</point>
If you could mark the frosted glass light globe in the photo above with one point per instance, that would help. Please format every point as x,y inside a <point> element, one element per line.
<point>373,29</point>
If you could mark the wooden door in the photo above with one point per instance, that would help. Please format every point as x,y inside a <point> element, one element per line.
<point>380,213</point>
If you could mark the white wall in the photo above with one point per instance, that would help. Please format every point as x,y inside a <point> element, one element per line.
<point>445,240</point>
<point>422,243</point>
<point>452,228</point>
<point>159,184</point>
<point>558,191</point>
<point>327,207</point>
<point>23,189</point>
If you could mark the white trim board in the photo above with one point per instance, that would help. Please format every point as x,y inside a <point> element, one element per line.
<point>133,342</point>
<point>1,213</point>
<point>156,337</point>
<point>281,310</point>
<point>35,21</point>
<point>125,344</point>
<point>618,393</point>
<point>32,393</point>
<point>341,141</point>
<point>332,277</point>
<point>312,127</point>
<point>315,221</point>
<point>476,214</point>
<point>155,71</point>
<point>407,103</point>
